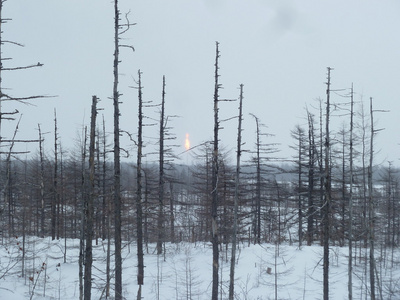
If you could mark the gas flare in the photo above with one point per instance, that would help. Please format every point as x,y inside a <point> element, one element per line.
<point>187,142</point>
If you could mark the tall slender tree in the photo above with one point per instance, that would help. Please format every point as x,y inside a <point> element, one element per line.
<point>81,260</point>
<point>321,164</point>
<point>42,188</point>
<point>161,179</point>
<point>327,198</point>
<point>54,203</point>
<point>117,164</point>
<point>139,213</point>
<point>257,218</point>
<point>371,210</point>
<point>236,200</point>
<point>350,265</point>
<point>89,205</point>
<point>311,182</point>
<point>215,175</point>
<point>299,135</point>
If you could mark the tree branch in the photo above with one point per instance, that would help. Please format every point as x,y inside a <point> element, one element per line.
<point>23,68</point>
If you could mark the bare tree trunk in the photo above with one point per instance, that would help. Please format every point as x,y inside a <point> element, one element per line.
<point>145,213</point>
<point>214,205</point>
<point>23,235</point>
<point>160,219</point>
<point>321,168</point>
<point>236,200</point>
<point>342,227</point>
<point>98,206</point>
<point>1,73</point>
<point>62,204</point>
<point>89,207</point>
<point>2,205</point>
<point>117,164</point>
<point>327,203</point>
<point>300,197</point>
<point>311,166</point>
<point>258,186</point>
<point>350,268</point>
<point>139,212</point>
<point>54,203</point>
<point>42,200</point>
<point>371,211</point>
<point>364,176</point>
<point>172,216</point>
<point>107,213</point>
<point>83,220</point>
<point>108,259</point>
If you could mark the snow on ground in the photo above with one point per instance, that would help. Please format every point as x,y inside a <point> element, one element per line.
<point>184,272</point>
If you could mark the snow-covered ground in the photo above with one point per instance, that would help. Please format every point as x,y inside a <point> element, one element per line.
<point>185,272</point>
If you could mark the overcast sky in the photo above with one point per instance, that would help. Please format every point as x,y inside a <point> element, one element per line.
<point>279,50</point>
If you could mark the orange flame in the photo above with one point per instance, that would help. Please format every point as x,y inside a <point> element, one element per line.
<point>187,142</point>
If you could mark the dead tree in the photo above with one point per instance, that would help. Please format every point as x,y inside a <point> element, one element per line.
<point>42,200</point>
<point>161,180</point>
<point>311,182</point>
<point>299,135</point>
<point>214,193</point>
<point>117,164</point>
<point>321,166</point>
<point>350,268</point>
<point>119,29</point>
<point>54,202</point>
<point>236,200</point>
<point>371,211</point>
<point>327,199</point>
<point>89,207</point>
<point>373,272</point>
<point>139,212</point>
<point>81,259</point>
<point>258,184</point>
